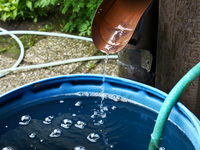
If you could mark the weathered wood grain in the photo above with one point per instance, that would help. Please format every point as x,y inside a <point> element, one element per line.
<point>179,47</point>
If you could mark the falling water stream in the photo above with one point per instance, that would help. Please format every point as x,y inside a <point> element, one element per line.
<point>103,81</point>
<point>83,121</point>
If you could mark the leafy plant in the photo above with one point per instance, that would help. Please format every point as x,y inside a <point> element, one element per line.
<point>82,12</point>
<point>82,15</point>
<point>25,9</point>
<point>92,65</point>
<point>8,9</point>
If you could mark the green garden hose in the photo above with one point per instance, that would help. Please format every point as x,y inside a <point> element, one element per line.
<point>168,104</point>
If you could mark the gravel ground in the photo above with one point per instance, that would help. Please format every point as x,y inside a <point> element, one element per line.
<point>49,50</point>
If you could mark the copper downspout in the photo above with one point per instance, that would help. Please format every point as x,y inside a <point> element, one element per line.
<point>114,23</point>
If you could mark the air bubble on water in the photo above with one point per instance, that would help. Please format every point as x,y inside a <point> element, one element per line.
<point>105,108</point>
<point>95,113</point>
<point>100,113</point>
<point>32,135</point>
<point>41,140</point>
<point>86,94</point>
<point>55,133</point>
<point>103,115</point>
<point>111,146</point>
<point>80,148</point>
<point>48,120</point>
<point>113,107</point>
<point>6,126</point>
<point>73,115</point>
<point>78,103</point>
<point>161,148</point>
<point>62,101</point>
<point>100,122</point>
<point>93,137</point>
<point>93,94</point>
<point>115,98</point>
<point>66,123</point>
<point>25,120</point>
<point>80,124</point>
<point>80,94</point>
<point>7,148</point>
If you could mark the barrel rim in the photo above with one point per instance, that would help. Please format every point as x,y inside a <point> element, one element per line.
<point>187,114</point>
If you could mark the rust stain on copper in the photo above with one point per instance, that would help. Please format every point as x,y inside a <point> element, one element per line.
<point>114,23</point>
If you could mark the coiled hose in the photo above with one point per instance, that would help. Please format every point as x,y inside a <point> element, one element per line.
<point>15,68</point>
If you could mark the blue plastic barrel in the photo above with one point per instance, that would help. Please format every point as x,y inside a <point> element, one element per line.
<point>182,130</point>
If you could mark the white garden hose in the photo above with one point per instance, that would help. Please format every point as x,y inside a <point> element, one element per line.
<point>15,68</point>
<point>21,56</point>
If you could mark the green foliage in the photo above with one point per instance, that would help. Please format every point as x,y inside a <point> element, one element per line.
<point>82,11</point>
<point>92,65</point>
<point>8,9</point>
<point>25,9</point>
<point>82,15</point>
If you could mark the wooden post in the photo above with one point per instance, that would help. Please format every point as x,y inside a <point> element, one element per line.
<point>179,48</point>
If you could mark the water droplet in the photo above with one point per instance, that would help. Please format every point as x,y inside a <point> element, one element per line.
<point>62,101</point>
<point>161,148</point>
<point>66,123</point>
<point>78,103</point>
<point>79,148</point>
<point>80,124</point>
<point>6,126</point>
<point>111,146</point>
<point>25,120</point>
<point>32,135</point>
<point>48,120</point>
<point>7,148</point>
<point>93,137</point>
<point>41,140</point>
<point>56,133</point>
